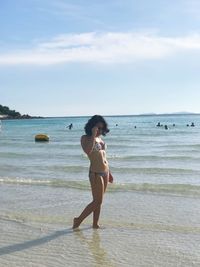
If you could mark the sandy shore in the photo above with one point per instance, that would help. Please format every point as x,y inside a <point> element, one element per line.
<point>154,230</point>
<point>25,245</point>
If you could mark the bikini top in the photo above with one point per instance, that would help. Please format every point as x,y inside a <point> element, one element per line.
<point>99,146</point>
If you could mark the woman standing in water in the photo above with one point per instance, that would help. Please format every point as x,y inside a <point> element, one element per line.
<point>99,173</point>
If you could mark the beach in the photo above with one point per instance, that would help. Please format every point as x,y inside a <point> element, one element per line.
<point>150,215</point>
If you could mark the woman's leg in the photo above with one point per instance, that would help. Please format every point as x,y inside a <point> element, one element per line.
<point>97,186</point>
<point>96,212</point>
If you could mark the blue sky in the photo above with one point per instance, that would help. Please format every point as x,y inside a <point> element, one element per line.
<point>65,58</point>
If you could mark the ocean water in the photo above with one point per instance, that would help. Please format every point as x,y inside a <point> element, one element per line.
<point>150,215</point>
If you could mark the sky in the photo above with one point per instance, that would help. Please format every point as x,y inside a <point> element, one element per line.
<point>108,57</point>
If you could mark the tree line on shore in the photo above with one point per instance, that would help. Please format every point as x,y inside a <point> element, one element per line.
<point>4,110</point>
<point>7,113</point>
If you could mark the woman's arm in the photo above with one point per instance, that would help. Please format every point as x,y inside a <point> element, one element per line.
<point>87,143</point>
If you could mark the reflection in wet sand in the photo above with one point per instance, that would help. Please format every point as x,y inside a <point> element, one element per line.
<point>94,244</point>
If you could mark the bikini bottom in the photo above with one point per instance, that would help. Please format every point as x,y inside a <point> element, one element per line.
<point>103,174</point>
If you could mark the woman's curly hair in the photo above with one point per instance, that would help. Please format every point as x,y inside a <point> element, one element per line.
<point>93,121</point>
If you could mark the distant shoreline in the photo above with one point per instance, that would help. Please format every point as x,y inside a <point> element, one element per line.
<point>131,115</point>
<point>22,117</point>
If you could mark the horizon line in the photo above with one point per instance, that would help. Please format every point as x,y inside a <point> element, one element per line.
<point>127,115</point>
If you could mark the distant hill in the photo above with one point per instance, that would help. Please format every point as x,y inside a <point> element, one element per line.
<point>7,113</point>
<point>169,114</point>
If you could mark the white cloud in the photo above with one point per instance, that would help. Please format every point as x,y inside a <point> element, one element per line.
<point>94,47</point>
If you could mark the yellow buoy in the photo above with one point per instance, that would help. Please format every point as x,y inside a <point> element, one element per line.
<point>41,138</point>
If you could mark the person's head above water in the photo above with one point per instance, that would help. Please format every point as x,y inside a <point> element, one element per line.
<point>99,122</point>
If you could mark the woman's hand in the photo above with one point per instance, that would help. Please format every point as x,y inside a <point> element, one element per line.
<point>110,178</point>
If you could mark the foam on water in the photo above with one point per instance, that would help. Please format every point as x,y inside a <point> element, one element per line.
<point>177,189</point>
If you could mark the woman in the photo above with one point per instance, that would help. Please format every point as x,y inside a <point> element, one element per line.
<point>99,174</point>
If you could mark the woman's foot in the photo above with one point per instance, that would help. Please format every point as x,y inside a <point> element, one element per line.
<point>76,223</point>
<point>96,226</point>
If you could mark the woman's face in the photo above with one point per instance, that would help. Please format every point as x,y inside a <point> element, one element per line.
<point>100,127</point>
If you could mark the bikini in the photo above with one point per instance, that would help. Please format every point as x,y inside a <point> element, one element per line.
<point>97,147</point>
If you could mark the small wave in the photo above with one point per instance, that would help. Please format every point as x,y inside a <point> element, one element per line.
<point>150,157</point>
<point>14,155</point>
<point>82,185</point>
<point>155,171</point>
<point>180,146</point>
<point>73,169</point>
<point>176,189</point>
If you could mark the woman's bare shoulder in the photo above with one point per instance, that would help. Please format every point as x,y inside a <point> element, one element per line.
<point>84,138</point>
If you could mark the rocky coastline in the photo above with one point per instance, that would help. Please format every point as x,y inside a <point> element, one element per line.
<point>7,114</point>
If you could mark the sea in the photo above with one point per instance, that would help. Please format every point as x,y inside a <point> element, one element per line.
<point>150,215</point>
